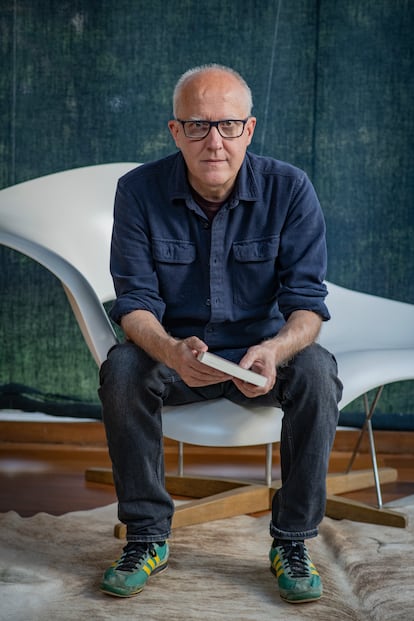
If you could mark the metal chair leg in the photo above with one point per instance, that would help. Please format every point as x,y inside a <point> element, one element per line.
<point>369,411</point>
<point>181,459</point>
<point>269,458</point>
<point>374,463</point>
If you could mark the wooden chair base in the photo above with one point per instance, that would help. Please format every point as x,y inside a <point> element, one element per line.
<point>344,509</point>
<point>215,499</point>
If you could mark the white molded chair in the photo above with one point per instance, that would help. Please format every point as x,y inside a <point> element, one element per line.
<point>64,222</point>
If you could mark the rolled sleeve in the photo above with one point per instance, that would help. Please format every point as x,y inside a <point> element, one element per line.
<point>132,266</point>
<point>302,254</point>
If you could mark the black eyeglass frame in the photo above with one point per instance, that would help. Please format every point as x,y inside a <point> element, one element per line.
<point>214,124</point>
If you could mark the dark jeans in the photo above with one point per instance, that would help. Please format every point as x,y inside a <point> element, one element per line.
<point>133,390</point>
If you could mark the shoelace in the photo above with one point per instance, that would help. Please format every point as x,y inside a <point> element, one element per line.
<point>295,554</point>
<point>134,553</point>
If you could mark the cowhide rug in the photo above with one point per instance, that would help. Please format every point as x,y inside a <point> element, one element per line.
<point>50,569</point>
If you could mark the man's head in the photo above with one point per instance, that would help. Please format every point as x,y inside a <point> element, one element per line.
<point>212,93</point>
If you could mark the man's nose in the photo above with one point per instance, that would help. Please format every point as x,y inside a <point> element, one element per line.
<point>214,139</point>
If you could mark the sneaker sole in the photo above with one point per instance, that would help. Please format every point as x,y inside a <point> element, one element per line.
<point>301,601</point>
<point>156,571</point>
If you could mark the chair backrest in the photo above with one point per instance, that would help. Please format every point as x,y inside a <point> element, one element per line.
<point>70,213</point>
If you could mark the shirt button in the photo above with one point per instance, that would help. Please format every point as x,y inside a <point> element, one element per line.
<point>208,302</point>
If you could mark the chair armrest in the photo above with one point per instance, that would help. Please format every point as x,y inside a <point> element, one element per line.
<point>90,314</point>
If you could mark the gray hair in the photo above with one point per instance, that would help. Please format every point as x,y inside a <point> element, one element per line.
<point>203,69</point>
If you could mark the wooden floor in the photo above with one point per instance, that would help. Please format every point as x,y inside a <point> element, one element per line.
<point>42,465</point>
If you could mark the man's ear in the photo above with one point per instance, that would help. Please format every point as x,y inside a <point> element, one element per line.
<point>173,126</point>
<point>250,127</point>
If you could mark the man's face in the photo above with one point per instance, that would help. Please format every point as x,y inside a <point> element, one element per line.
<point>214,161</point>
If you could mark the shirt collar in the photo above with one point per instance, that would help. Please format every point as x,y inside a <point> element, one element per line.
<point>246,186</point>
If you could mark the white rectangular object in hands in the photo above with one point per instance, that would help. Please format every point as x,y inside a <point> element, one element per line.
<point>231,368</point>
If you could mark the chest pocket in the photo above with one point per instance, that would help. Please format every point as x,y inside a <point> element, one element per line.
<point>255,280</point>
<point>172,251</point>
<point>174,266</point>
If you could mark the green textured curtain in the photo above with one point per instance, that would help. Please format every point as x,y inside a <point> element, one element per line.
<point>87,82</point>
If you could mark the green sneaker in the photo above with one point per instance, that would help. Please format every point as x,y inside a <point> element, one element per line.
<point>297,576</point>
<point>129,574</point>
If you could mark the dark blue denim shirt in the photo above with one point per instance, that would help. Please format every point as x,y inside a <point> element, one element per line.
<point>232,282</point>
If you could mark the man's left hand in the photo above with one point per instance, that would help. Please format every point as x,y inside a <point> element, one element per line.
<point>261,359</point>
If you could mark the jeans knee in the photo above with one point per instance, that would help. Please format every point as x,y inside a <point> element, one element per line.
<point>126,373</point>
<point>125,360</point>
<point>315,371</point>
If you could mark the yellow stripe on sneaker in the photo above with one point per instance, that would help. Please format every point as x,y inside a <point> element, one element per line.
<point>151,564</point>
<point>277,564</point>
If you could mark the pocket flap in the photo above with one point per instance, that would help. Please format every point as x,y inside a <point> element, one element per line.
<point>256,249</point>
<point>173,251</point>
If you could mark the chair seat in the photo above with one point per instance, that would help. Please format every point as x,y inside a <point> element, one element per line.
<point>222,423</point>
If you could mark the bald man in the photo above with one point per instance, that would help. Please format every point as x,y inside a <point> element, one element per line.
<point>215,248</point>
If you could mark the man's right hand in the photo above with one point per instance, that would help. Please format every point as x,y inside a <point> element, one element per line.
<point>183,359</point>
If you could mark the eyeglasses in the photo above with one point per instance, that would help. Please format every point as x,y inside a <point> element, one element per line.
<point>228,128</point>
